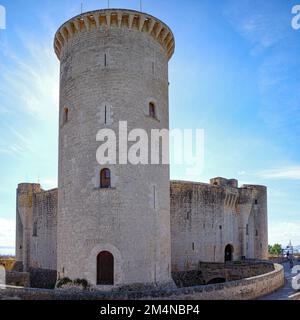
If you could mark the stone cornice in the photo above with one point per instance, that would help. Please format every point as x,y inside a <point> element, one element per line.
<point>116,17</point>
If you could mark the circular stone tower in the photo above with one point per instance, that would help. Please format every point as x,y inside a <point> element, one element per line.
<point>113,220</point>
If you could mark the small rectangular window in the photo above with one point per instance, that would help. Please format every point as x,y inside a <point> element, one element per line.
<point>66,115</point>
<point>188,215</point>
<point>34,232</point>
<point>152,111</point>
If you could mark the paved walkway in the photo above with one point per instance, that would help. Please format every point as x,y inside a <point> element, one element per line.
<point>287,290</point>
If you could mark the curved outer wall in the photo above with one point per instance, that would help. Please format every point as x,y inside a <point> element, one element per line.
<point>122,68</point>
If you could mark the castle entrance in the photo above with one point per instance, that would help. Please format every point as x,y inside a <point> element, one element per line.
<point>105,268</point>
<point>228,253</point>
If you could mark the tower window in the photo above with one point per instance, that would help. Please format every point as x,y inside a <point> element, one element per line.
<point>188,215</point>
<point>34,232</point>
<point>256,201</point>
<point>152,110</point>
<point>66,115</point>
<point>105,60</point>
<point>105,179</point>
<point>154,197</point>
<point>256,233</point>
<point>247,229</point>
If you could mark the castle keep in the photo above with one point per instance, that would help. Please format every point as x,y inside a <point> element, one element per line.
<point>124,224</point>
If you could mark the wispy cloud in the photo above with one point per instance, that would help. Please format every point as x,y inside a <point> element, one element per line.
<point>31,81</point>
<point>49,183</point>
<point>7,233</point>
<point>283,232</point>
<point>260,23</point>
<point>287,172</point>
<point>29,95</point>
<point>266,26</point>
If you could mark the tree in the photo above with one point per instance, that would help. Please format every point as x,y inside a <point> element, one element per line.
<point>270,249</point>
<point>275,249</point>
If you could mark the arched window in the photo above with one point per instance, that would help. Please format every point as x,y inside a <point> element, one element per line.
<point>66,115</point>
<point>152,110</point>
<point>105,268</point>
<point>105,179</point>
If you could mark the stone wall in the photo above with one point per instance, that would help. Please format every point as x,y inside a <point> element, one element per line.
<point>205,218</point>
<point>44,231</point>
<point>234,271</point>
<point>295,296</point>
<point>19,279</point>
<point>36,228</point>
<point>221,272</point>
<point>42,278</point>
<point>245,289</point>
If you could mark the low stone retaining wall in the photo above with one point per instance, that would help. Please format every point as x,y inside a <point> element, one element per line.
<point>209,273</point>
<point>245,289</point>
<point>42,278</point>
<point>18,278</point>
<point>295,296</point>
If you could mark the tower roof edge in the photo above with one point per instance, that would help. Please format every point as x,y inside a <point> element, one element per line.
<point>131,19</point>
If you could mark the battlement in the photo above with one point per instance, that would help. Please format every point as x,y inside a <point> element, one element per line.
<point>108,18</point>
<point>224,182</point>
<point>29,187</point>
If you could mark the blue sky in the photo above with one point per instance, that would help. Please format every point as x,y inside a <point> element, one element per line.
<point>235,74</point>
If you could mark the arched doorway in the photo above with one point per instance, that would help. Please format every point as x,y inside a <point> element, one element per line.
<point>228,253</point>
<point>105,268</point>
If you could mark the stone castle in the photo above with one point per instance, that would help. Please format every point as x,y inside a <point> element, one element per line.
<point>126,224</point>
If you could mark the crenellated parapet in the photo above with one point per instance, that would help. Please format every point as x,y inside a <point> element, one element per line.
<point>108,18</point>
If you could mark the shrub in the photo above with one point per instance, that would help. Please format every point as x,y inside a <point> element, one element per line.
<point>81,282</point>
<point>62,282</point>
<point>67,282</point>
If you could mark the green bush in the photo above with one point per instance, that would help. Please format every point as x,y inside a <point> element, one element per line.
<point>63,281</point>
<point>81,282</point>
<point>67,281</point>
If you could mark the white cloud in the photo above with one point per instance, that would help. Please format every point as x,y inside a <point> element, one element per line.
<point>7,233</point>
<point>29,97</point>
<point>49,183</point>
<point>287,173</point>
<point>258,22</point>
<point>283,232</point>
<point>32,81</point>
